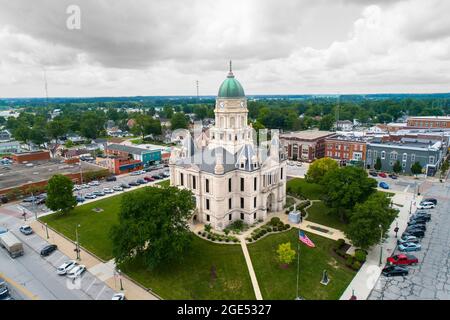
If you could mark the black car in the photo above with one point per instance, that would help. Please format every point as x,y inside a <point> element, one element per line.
<point>423,216</point>
<point>415,232</point>
<point>373,173</point>
<point>432,200</point>
<point>420,227</point>
<point>133,183</point>
<point>419,219</point>
<point>141,181</point>
<point>391,271</point>
<point>4,199</point>
<point>125,185</point>
<point>111,178</point>
<point>156,176</point>
<point>48,249</point>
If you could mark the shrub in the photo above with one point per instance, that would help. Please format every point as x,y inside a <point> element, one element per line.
<point>286,226</point>
<point>356,265</point>
<point>199,233</point>
<point>349,261</point>
<point>263,232</point>
<point>360,256</point>
<point>227,239</point>
<point>226,231</point>
<point>209,236</point>
<point>235,240</point>
<point>339,244</point>
<point>208,228</point>
<point>274,221</point>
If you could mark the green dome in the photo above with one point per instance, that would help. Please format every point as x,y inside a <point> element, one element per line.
<point>231,88</point>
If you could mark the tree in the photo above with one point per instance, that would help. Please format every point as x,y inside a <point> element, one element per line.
<point>60,194</point>
<point>179,121</point>
<point>445,166</point>
<point>416,168</point>
<point>364,227</point>
<point>326,123</point>
<point>397,167</point>
<point>145,124</point>
<point>22,133</point>
<point>378,164</point>
<point>346,187</point>
<point>153,225</point>
<point>92,123</point>
<point>285,253</point>
<point>319,168</point>
<point>56,129</point>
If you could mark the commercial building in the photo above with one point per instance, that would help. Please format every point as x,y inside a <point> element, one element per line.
<point>146,156</point>
<point>407,151</point>
<point>429,122</point>
<point>346,148</point>
<point>24,157</point>
<point>307,145</point>
<point>10,147</point>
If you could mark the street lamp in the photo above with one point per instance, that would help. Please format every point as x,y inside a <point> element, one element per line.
<point>396,228</point>
<point>120,279</point>
<point>77,243</point>
<point>381,244</point>
<point>46,229</point>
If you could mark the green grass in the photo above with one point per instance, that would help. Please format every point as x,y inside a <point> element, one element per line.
<point>94,226</point>
<point>164,183</point>
<point>190,278</point>
<point>280,284</point>
<point>311,191</point>
<point>321,214</point>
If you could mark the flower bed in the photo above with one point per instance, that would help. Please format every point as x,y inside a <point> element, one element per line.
<point>274,225</point>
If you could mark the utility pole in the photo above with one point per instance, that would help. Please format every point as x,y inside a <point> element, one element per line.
<point>77,247</point>
<point>381,244</point>
<point>196,83</point>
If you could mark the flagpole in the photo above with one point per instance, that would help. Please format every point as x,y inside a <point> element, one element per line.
<point>298,264</point>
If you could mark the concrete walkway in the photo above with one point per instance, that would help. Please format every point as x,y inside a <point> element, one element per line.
<point>251,271</point>
<point>103,271</point>
<point>367,276</point>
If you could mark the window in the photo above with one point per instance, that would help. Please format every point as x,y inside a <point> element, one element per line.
<point>208,218</point>
<point>254,216</point>
<point>413,157</point>
<point>242,216</point>
<point>194,184</point>
<point>254,202</point>
<point>369,154</point>
<point>255,183</point>
<point>181,179</point>
<point>229,185</point>
<point>281,174</point>
<point>375,154</point>
<point>230,216</point>
<point>405,157</point>
<point>242,203</point>
<point>383,155</point>
<point>229,203</point>
<point>207,185</point>
<point>242,184</point>
<point>431,159</point>
<point>207,204</point>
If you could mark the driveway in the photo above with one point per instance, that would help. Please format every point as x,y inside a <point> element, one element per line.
<point>430,279</point>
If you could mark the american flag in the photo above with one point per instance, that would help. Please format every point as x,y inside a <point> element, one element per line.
<point>304,238</point>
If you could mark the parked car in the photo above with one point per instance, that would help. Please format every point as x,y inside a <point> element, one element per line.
<point>426,205</point>
<point>125,185</point>
<point>141,181</point>
<point>76,187</point>
<point>390,271</point>
<point>79,199</point>
<point>118,188</point>
<point>111,178</point>
<point>94,183</point>
<point>384,185</point>
<point>4,199</point>
<point>432,200</point>
<point>409,246</point>
<point>149,179</point>
<point>135,173</point>
<point>166,174</point>
<point>77,271</point>
<point>415,232</point>
<point>48,249</point>
<point>108,190</point>
<point>403,259</point>
<point>26,230</point>
<point>420,227</point>
<point>133,183</point>
<point>98,193</point>
<point>4,290</point>
<point>118,296</point>
<point>29,199</point>
<point>84,186</point>
<point>406,239</point>
<point>373,173</point>
<point>422,215</point>
<point>418,220</point>
<point>90,196</point>
<point>66,267</point>
<point>393,176</point>
<point>382,175</point>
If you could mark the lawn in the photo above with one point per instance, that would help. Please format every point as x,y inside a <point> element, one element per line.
<point>191,277</point>
<point>164,183</point>
<point>280,284</point>
<point>311,191</point>
<point>321,214</point>
<point>94,226</point>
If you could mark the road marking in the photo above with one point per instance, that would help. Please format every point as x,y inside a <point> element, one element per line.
<point>20,288</point>
<point>406,189</point>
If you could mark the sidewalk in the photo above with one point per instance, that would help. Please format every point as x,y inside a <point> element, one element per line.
<point>251,271</point>
<point>367,276</point>
<point>103,271</point>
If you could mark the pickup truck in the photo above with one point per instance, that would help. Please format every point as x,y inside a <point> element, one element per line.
<point>11,244</point>
<point>403,259</point>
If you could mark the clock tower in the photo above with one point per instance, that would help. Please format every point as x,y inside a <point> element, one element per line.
<point>231,130</point>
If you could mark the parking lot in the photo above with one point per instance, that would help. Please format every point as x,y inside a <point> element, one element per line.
<point>430,278</point>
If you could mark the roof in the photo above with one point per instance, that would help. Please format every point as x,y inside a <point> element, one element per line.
<point>446,118</point>
<point>128,149</point>
<point>230,87</point>
<point>307,135</point>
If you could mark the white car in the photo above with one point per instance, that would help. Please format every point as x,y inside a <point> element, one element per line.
<point>76,271</point>
<point>118,296</point>
<point>426,205</point>
<point>90,196</point>
<point>76,187</point>
<point>135,173</point>
<point>117,188</point>
<point>66,267</point>
<point>84,186</point>
<point>94,183</point>
<point>108,190</point>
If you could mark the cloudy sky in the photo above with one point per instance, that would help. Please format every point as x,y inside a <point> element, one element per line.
<point>161,47</point>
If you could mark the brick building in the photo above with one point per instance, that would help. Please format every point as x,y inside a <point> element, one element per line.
<point>345,148</point>
<point>307,145</point>
<point>31,156</point>
<point>429,122</point>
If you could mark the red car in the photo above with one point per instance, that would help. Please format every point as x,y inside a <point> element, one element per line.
<point>149,179</point>
<point>382,174</point>
<point>403,259</point>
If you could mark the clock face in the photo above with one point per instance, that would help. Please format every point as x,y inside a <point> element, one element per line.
<point>242,104</point>
<point>222,105</point>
